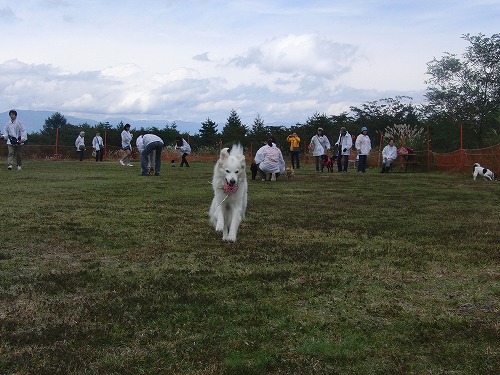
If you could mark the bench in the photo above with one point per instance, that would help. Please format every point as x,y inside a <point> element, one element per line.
<point>404,161</point>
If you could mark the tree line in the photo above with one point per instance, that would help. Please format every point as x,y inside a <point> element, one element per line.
<point>462,92</point>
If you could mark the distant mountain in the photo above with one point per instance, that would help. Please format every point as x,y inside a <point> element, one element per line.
<point>35,120</point>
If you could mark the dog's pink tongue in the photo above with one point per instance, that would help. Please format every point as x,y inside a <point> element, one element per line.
<point>230,189</point>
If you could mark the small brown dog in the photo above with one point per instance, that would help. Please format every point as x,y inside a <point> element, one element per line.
<point>289,173</point>
<point>151,171</point>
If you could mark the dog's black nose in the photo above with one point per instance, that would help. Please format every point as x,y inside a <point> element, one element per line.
<point>232,181</point>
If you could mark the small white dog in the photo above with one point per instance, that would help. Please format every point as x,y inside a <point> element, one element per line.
<point>230,192</point>
<point>477,170</point>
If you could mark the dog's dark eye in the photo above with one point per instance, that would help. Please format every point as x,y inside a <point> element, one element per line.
<point>236,172</point>
<point>227,171</point>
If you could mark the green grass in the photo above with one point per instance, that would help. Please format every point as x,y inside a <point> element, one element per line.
<point>103,271</point>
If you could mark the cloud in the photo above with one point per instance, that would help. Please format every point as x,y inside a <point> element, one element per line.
<point>201,57</point>
<point>306,54</point>
<point>6,14</point>
<point>130,91</point>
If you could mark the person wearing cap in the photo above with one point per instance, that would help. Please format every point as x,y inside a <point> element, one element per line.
<point>98,146</point>
<point>319,145</point>
<point>15,134</point>
<point>147,145</point>
<point>363,146</point>
<point>344,144</point>
<point>294,141</point>
<point>80,144</point>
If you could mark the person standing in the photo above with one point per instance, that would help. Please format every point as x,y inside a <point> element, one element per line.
<point>98,146</point>
<point>363,147</point>
<point>344,144</point>
<point>389,154</point>
<point>80,144</point>
<point>15,134</point>
<point>320,145</point>
<point>185,149</point>
<point>147,144</point>
<point>126,145</point>
<point>294,141</point>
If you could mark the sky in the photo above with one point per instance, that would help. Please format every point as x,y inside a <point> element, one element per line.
<point>190,60</point>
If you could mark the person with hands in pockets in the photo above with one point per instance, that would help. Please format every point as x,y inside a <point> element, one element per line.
<point>363,147</point>
<point>344,144</point>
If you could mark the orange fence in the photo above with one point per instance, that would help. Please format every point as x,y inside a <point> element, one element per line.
<point>457,161</point>
<point>462,160</point>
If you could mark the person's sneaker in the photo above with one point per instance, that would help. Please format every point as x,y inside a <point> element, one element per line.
<point>122,163</point>
<point>129,165</point>
<point>9,167</point>
<point>19,168</point>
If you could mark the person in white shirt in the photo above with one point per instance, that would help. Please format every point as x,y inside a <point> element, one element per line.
<point>320,145</point>
<point>80,145</point>
<point>15,134</point>
<point>147,144</point>
<point>126,145</point>
<point>270,160</point>
<point>363,147</point>
<point>98,146</point>
<point>185,149</point>
<point>389,154</point>
<point>344,144</point>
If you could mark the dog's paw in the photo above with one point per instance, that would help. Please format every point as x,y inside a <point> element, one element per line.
<point>229,238</point>
<point>219,227</point>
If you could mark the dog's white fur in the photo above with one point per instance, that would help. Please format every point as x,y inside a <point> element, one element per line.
<point>477,170</point>
<point>228,209</point>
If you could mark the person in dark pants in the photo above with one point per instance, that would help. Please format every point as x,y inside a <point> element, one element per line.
<point>344,145</point>
<point>363,146</point>
<point>185,149</point>
<point>294,140</point>
<point>147,144</point>
<point>98,146</point>
<point>80,145</point>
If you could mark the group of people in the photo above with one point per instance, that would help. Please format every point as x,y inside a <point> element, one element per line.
<point>150,146</point>
<point>268,158</point>
<point>270,163</point>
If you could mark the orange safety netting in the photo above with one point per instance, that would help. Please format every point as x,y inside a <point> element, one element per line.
<point>462,160</point>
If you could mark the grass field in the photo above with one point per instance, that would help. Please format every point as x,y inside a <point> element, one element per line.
<point>103,271</point>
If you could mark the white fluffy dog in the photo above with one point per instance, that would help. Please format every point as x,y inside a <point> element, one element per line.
<point>230,192</point>
<point>477,170</point>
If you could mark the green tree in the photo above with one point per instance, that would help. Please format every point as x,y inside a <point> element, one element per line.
<point>234,131</point>
<point>318,120</point>
<point>467,90</point>
<point>258,133</point>
<point>55,121</point>
<point>209,136</point>
<point>379,114</point>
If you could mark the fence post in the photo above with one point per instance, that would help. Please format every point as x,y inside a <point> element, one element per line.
<point>461,149</point>
<point>380,149</point>
<point>57,139</point>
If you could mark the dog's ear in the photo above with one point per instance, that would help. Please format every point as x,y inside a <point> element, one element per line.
<point>224,153</point>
